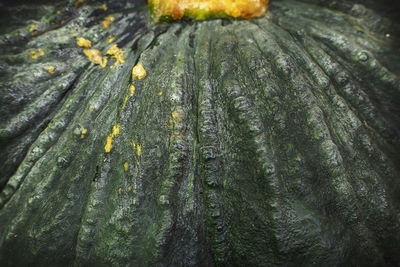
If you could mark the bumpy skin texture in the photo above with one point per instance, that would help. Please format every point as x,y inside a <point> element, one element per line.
<point>268,142</point>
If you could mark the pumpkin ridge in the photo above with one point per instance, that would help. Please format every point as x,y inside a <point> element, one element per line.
<point>39,147</point>
<point>289,68</point>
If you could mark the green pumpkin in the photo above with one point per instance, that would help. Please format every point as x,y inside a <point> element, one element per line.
<point>265,142</point>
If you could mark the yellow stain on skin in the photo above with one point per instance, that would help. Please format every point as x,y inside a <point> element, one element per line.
<point>82,42</point>
<point>201,9</point>
<point>126,166</point>
<point>50,69</point>
<point>32,28</point>
<point>36,53</point>
<point>108,146</point>
<point>132,90</point>
<point>105,24</point>
<point>110,138</point>
<point>137,147</point>
<point>95,56</point>
<point>125,100</point>
<point>175,115</point>
<point>367,125</point>
<point>138,71</point>
<point>78,2</point>
<point>83,132</point>
<point>116,129</point>
<point>117,53</point>
<point>110,39</point>
<point>131,93</point>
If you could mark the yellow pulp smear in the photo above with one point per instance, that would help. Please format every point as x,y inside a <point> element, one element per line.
<point>138,71</point>
<point>105,24</point>
<point>82,42</point>
<point>117,53</point>
<point>202,9</point>
<point>50,69</point>
<point>95,56</point>
<point>110,138</point>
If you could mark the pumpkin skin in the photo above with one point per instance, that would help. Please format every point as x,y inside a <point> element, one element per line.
<point>270,142</point>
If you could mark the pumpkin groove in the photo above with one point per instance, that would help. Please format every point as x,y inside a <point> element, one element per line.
<point>265,142</point>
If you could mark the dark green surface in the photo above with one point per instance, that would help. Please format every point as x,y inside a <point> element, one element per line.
<point>285,152</point>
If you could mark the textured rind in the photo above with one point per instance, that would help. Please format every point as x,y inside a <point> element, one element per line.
<point>269,142</point>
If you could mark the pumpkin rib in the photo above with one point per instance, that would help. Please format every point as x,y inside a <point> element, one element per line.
<point>337,138</point>
<point>39,147</point>
<point>377,209</point>
<point>323,120</point>
<point>364,111</point>
<point>235,95</point>
<point>373,121</point>
<point>179,183</point>
<point>297,72</point>
<point>40,107</point>
<point>312,114</point>
<point>97,192</point>
<point>361,102</point>
<point>370,67</point>
<point>209,162</point>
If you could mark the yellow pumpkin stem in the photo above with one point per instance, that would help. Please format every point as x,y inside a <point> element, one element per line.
<point>203,9</point>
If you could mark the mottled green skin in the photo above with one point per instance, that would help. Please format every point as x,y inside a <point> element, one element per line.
<point>285,152</point>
